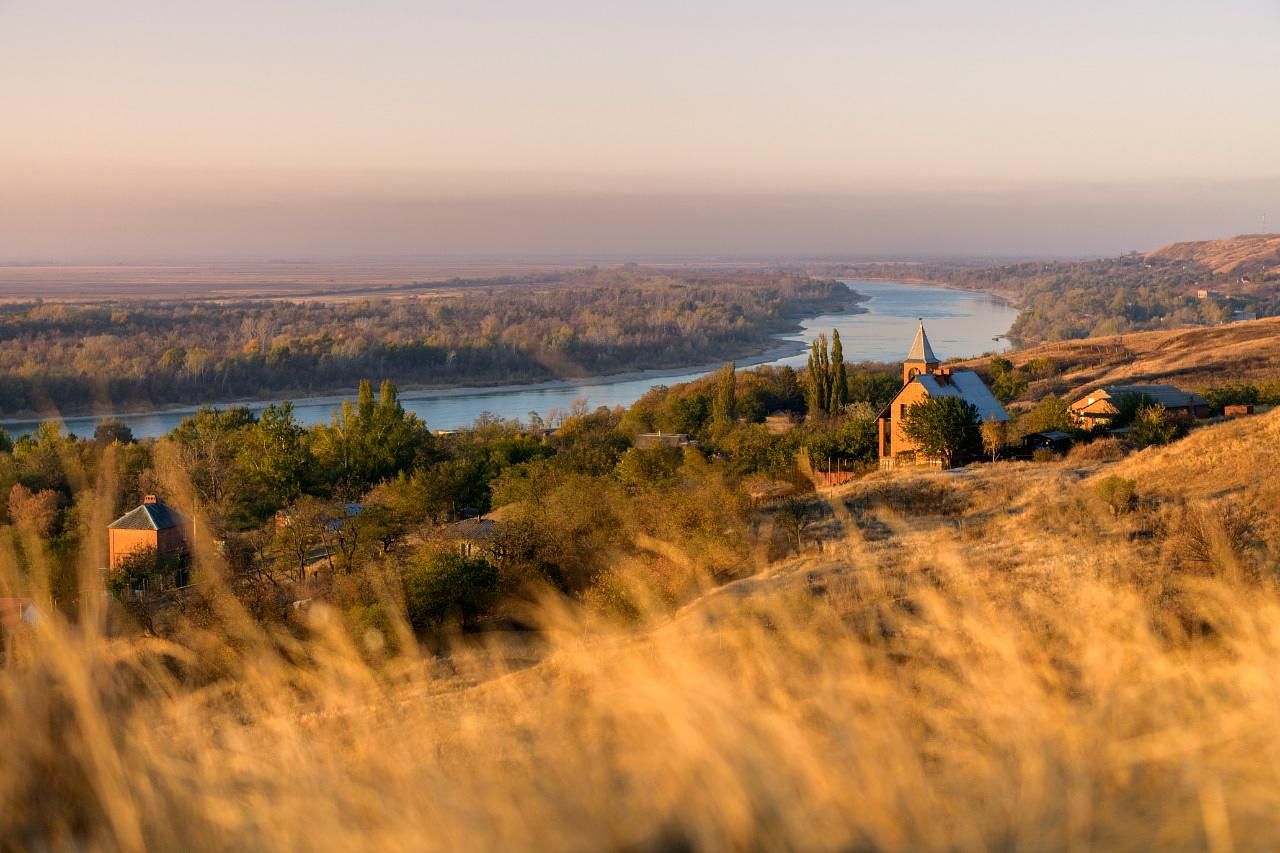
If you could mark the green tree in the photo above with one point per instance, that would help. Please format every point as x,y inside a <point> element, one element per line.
<point>274,458</point>
<point>818,390</point>
<point>1051,413</point>
<point>839,380</point>
<point>1153,425</point>
<point>448,586</point>
<point>725,410</point>
<point>943,427</point>
<point>1007,382</point>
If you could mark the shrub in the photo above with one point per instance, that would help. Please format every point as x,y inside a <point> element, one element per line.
<point>1153,425</point>
<point>1119,494</point>
<point>1106,449</point>
<point>448,586</point>
<point>1217,541</point>
<point>1044,454</point>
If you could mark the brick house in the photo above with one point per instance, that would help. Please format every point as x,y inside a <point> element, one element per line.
<point>924,377</point>
<point>151,525</point>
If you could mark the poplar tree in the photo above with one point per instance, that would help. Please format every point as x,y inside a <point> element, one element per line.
<point>724,411</point>
<point>839,380</point>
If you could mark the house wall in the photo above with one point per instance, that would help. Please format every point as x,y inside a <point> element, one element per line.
<point>907,397</point>
<point>122,543</point>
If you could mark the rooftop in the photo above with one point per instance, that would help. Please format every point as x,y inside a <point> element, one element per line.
<point>969,387</point>
<point>151,515</point>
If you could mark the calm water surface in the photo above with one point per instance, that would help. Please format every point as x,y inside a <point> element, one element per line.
<point>959,323</point>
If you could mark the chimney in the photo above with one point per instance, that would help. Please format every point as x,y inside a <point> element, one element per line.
<point>150,499</point>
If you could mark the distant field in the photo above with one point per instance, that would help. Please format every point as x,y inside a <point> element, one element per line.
<point>292,279</point>
<point>187,281</point>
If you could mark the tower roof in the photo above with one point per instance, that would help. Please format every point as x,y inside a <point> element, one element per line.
<point>920,349</point>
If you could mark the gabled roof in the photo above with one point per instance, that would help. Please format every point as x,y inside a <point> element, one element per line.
<point>1164,394</point>
<point>471,529</point>
<point>155,516</point>
<point>969,387</point>
<point>920,349</point>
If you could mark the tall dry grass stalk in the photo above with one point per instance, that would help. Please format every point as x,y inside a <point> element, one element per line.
<point>904,696</point>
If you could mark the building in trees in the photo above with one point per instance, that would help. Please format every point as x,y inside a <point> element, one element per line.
<point>924,378</point>
<point>652,440</point>
<point>1103,406</point>
<point>153,526</point>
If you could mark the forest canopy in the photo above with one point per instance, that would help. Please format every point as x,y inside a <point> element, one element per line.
<point>134,355</point>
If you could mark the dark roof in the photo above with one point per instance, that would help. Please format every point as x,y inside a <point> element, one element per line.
<point>156,516</point>
<point>1166,395</point>
<point>471,529</point>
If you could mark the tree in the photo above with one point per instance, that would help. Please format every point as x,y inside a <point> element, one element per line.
<point>447,585</point>
<point>796,516</point>
<point>1051,413</point>
<point>1153,425</point>
<point>943,427</point>
<point>1007,382</point>
<point>273,456</point>
<point>725,409</point>
<point>818,391</point>
<point>839,380</point>
<point>33,511</point>
<point>112,430</point>
<point>995,436</point>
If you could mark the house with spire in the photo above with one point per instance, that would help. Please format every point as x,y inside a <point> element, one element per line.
<point>924,377</point>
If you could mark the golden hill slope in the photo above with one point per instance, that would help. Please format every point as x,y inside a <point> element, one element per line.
<point>1192,358</point>
<point>1247,254</point>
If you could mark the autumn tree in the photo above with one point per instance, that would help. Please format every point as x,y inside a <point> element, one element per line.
<point>995,436</point>
<point>944,428</point>
<point>36,512</point>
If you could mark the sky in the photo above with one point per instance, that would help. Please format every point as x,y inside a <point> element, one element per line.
<point>146,130</point>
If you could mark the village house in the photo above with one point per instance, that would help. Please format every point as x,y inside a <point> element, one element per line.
<point>471,536</point>
<point>652,440</point>
<point>1099,408</point>
<point>923,378</point>
<point>152,525</point>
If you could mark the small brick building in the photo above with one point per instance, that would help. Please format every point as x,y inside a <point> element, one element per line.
<point>151,525</point>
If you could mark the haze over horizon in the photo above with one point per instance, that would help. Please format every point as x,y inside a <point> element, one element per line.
<point>325,130</point>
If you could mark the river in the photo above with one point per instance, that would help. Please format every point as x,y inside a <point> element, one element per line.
<point>960,324</point>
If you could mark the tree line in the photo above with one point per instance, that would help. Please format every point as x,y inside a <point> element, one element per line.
<point>72,358</point>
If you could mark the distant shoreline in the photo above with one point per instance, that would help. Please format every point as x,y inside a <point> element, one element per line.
<point>414,391</point>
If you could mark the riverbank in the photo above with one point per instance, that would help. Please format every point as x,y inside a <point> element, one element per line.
<point>877,324</point>
<point>781,348</point>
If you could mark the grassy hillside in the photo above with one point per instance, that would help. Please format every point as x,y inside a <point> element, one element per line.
<point>1248,254</point>
<point>1003,657</point>
<point>1190,358</point>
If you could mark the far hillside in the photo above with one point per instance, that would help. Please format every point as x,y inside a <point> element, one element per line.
<point>1193,359</point>
<point>1207,283</point>
<point>1247,255</point>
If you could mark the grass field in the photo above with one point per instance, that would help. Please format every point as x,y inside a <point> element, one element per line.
<point>993,658</point>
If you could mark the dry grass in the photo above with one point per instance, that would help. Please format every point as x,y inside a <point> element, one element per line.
<point>992,679</point>
<point>1188,358</point>
<point>1248,253</point>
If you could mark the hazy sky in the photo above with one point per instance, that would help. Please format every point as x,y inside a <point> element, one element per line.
<point>140,129</point>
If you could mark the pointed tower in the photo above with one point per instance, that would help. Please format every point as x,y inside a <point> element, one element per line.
<point>921,358</point>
